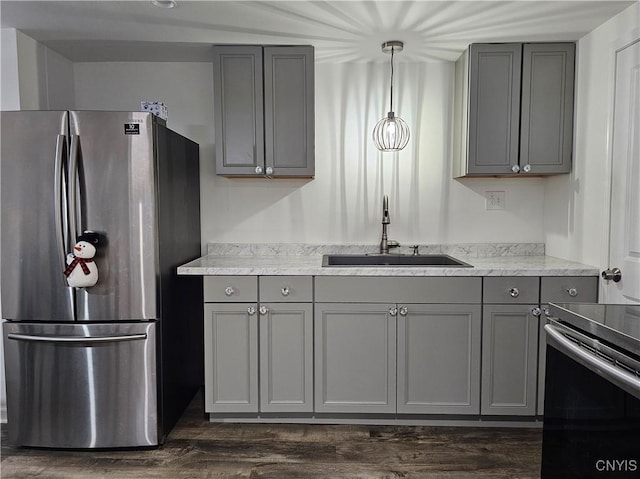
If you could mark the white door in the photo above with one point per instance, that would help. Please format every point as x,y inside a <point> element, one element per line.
<point>622,278</point>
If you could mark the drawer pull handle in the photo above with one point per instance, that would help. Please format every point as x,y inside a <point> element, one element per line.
<point>285,291</point>
<point>514,292</point>
<point>229,291</point>
<point>573,292</point>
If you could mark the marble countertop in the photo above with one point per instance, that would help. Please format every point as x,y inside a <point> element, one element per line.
<point>311,265</point>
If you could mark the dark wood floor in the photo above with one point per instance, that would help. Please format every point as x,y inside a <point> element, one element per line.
<point>199,449</point>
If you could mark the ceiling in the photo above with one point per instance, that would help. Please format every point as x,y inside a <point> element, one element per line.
<point>341,31</point>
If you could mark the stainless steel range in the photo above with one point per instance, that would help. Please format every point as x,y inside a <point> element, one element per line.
<point>592,392</point>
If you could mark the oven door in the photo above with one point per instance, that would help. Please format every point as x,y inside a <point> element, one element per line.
<point>591,409</point>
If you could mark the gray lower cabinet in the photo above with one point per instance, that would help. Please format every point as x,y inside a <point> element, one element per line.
<point>514,109</point>
<point>509,360</point>
<point>439,358</point>
<point>231,357</point>
<point>286,357</point>
<point>355,358</point>
<point>558,289</point>
<point>264,110</point>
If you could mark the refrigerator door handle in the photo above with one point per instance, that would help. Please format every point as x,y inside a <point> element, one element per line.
<point>77,339</point>
<point>73,190</point>
<point>57,199</point>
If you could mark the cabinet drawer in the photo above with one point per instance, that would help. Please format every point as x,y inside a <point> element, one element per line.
<point>511,290</point>
<point>233,289</point>
<point>345,289</point>
<point>277,289</point>
<point>580,289</point>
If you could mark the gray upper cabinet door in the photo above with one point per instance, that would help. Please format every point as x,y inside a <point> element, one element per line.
<point>239,114</point>
<point>546,138</point>
<point>231,357</point>
<point>264,110</point>
<point>509,360</point>
<point>289,111</point>
<point>494,107</point>
<point>355,358</point>
<point>514,109</point>
<point>439,358</point>
<point>286,357</point>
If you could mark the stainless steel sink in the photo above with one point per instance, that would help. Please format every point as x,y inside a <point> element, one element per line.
<point>390,260</point>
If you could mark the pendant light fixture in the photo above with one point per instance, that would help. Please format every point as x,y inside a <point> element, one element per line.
<point>391,133</point>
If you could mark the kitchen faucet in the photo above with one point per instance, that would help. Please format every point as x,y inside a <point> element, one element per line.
<point>385,243</point>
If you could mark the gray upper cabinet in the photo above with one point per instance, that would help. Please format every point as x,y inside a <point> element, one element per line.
<point>546,137</point>
<point>264,110</point>
<point>514,109</point>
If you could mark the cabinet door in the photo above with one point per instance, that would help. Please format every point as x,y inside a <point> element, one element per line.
<point>439,359</point>
<point>509,360</point>
<point>239,112</point>
<point>546,137</point>
<point>231,357</point>
<point>355,358</point>
<point>286,357</point>
<point>494,107</point>
<point>289,110</point>
<point>570,289</point>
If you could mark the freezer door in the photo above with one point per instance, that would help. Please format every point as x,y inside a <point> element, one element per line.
<point>81,385</point>
<point>115,196</point>
<point>33,165</point>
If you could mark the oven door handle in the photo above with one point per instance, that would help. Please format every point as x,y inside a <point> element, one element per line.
<point>621,378</point>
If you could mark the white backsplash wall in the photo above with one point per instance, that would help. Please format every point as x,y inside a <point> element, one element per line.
<point>342,204</point>
<point>577,205</point>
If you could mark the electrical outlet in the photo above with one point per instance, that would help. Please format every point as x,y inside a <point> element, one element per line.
<point>495,200</point>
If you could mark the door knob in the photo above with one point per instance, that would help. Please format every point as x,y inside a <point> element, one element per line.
<point>612,274</point>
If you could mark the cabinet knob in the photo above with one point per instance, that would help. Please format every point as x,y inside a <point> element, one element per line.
<point>515,168</point>
<point>393,311</point>
<point>404,311</point>
<point>259,170</point>
<point>514,292</point>
<point>263,310</point>
<point>269,170</point>
<point>546,312</point>
<point>251,310</point>
<point>526,168</point>
<point>573,292</point>
<point>285,291</point>
<point>536,311</point>
<point>229,291</point>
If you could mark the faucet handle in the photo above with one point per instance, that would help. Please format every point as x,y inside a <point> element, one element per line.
<point>416,251</point>
<point>393,244</point>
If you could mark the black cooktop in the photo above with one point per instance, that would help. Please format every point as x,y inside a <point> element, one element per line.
<point>618,324</point>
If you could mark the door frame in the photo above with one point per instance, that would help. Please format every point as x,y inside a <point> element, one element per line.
<point>625,40</point>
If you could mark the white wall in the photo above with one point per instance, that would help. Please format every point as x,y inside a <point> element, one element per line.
<point>576,209</point>
<point>342,204</point>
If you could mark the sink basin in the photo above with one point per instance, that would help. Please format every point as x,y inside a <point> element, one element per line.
<point>390,260</point>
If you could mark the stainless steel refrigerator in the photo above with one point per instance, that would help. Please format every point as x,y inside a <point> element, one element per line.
<point>115,364</point>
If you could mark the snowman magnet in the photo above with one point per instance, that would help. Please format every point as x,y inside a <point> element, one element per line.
<point>81,271</point>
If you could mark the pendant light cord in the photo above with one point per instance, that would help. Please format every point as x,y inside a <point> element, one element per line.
<point>391,96</point>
